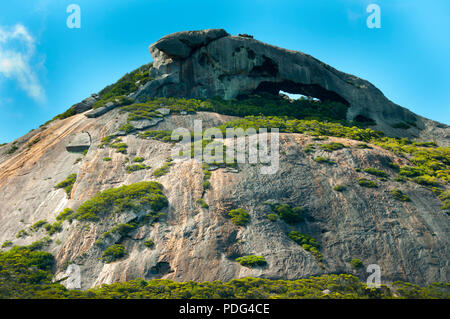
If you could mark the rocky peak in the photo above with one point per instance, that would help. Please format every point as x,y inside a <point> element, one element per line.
<point>209,63</point>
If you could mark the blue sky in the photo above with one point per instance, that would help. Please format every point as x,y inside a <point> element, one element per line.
<point>45,67</point>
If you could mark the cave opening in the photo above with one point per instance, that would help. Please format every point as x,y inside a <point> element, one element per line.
<point>310,91</point>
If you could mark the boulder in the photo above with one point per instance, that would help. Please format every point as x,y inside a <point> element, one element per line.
<point>86,104</point>
<point>208,63</point>
<point>79,142</point>
<point>101,110</point>
<point>145,123</point>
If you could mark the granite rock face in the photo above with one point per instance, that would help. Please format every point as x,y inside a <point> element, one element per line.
<point>408,240</point>
<point>208,63</point>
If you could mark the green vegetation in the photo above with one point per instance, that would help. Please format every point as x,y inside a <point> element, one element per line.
<point>13,148</point>
<point>56,227</point>
<point>332,146</point>
<point>113,253</point>
<point>124,86</point>
<point>37,225</point>
<point>127,128</point>
<point>163,170</point>
<point>39,244</point>
<point>252,261</point>
<point>290,215</point>
<point>136,167</point>
<point>134,197</point>
<point>149,243</point>
<point>375,172</point>
<point>367,183</point>
<point>356,263</point>
<point>206,185</point>
<point>307,242</point>
<point>121,229</point>
<point>26,274</point>
<point>398,194</point>
<point>362,146</point>
<point>202,203</point>
<point>22,233</point>
<point>239,216</point>
<point>138,159</point>
<point>35,141</point>
<point>339,188</point>
<point>164,136</point>
<point>66,214</point>
<point>272,217</point>
<point>7,243</point>
<point>393,165</point>
<point>120,147</point>
<point>116,143</point>
<point>107,159</point>
<point>445,197</point>
<point>67,184</point>
<point>324,160</point>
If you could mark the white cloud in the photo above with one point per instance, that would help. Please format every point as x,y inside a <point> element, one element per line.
<point>17,48</point>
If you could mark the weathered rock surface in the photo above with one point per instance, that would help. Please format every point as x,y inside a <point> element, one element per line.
<point>208,63</point>
<point>409,240</point>
<point>86,104</point>
<point>79,142</point>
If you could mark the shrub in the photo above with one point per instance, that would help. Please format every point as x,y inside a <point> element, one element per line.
<point>307,242</point>
<point>362,146</point>
<point>321,159</point>
<point>107,159</point>
<point>67,184</point>
<point>127,128</point>
<point>7,243</point>
<point>123,229</point>
<point>252,261</point>
<point>202,203</point>
<point>113,253</point>
<point>375,172</point>
<point>163,170</point>
<point>272,217</point>
<point>400,179</point>
<point>356,263</point>
<point>136,167</point>
<point>56,227</point>
<point>426,180</point>
<point>206,185</point>
<point>339,188</point>
<point>149,243</point>
<point>332,146</point>
<point>138,159</point>
<point>291,215</point>
<point>239,216</point>
<point>398,194</point>
<point>120,147</point>
<point>367,183</point>
<point>22,233</point>
<point>445,198</point>
<point>37,225</point>
<point>393,165</point>
<point>164,136</point>
<point>12,149</point>
<point>410,171</point>
<point>134,197</point>
<point>66,214</point>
